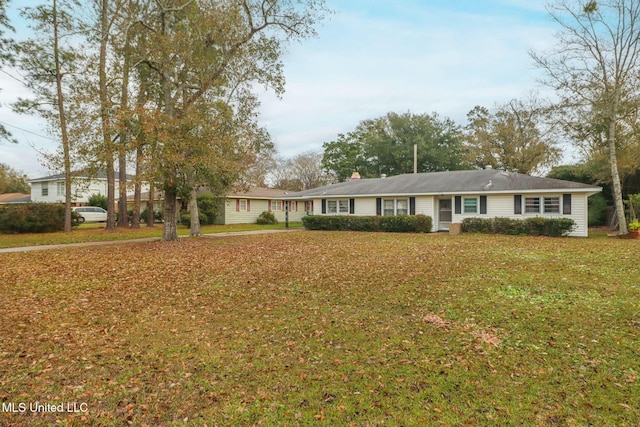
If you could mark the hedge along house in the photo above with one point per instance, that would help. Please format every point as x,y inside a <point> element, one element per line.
<point>450,197</point>
<point>246,207</point>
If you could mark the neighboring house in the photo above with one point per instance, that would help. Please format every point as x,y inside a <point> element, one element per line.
<point>10,198</point>
<point>246,207</point>
<point>51,189</point>
<point>449,197</point>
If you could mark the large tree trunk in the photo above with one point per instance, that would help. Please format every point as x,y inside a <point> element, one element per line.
<point>66,144</point>
<point>104,117</point>
<point>193,212</point>
<point>123,220</point>
<point>170,231</point>
<point>123,217</point>
<point>137,192</point>
<point>150,206</point>
<point>615,178</point>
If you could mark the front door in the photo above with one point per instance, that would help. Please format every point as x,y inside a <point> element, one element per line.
<point>444,214</point>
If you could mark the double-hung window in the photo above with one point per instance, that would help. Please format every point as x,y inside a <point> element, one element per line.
<point>532,205</point>
<point>544,205</point>
<point>276,205</point>
<point>470,205</point>
<point>552,205</point>
<point>402,207</point>
<point>338,206</point>
<point>45,189</point>
<point>391,207</point>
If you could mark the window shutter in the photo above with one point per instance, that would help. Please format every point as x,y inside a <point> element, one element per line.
<point>517,204</point>
<point>566,204</point>
<point>324,206</point>
<point>412,205</point>
<point>483,205</point>
<point>237,205</point>
<point>248,205</point>
<point>379,206</point>
<point>269,205</point>
<point>352,206</point>
<point>458,205</point>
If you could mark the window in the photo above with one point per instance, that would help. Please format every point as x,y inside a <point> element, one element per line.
<point>308,206</point>
<point>552,205</point>
<point>388,207</point>
<point>537,205</point>
<point>391,207</point>
<point>339,206</point>
<point>532,205</point>
<point>45,189</point>
<point>470,205</point>
<point>276,205</point>
<point>242,205</point>
<point>60,187</point>
<point>402,207</point>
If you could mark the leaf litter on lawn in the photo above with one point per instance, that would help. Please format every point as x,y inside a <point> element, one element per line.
<point>323,327</point>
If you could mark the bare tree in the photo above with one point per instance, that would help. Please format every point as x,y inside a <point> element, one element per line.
<point>596,67</point>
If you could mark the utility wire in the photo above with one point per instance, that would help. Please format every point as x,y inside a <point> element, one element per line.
<point>13,77</point>
<point>25,130</point>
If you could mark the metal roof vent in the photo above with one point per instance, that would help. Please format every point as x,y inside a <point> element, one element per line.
<point>383,176</point>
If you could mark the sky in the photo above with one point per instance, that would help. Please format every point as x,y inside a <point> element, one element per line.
<point>370,57</point>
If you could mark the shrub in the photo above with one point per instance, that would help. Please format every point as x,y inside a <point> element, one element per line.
<point>33,218</point>
<point>535,226</point>
<point>207,208</point>
<point>397,224</point>
<point>207,211</point>
<point>98,200</point>
<point>597,210</point>
<point>157,216</point>
<point>266,217</point>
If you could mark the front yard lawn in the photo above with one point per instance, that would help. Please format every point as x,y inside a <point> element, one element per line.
<point>95,232</point>
<point>324,328</point>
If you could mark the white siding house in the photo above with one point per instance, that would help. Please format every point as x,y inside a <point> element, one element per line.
<point>450,197</point>
<point>51,189</point>
<point>246,207</point>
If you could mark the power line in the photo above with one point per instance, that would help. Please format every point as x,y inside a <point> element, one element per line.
<point>25,130</point>
<point>13,77</point>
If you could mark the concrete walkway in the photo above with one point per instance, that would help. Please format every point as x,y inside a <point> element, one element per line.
<point>142,240</point>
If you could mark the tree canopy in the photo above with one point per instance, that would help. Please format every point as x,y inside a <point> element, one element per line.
<point>513,137</point>
<point>385,145</point>
<point>12,181</point>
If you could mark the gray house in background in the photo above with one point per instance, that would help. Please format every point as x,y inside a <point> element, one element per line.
<point>449,197</point>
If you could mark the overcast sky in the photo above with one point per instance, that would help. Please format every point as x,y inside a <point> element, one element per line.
<point>371,57</point>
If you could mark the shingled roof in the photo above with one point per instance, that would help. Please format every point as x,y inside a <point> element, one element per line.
<point>451,182</point>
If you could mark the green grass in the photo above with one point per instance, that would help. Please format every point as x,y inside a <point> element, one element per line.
<point>95,232</point>
<point>326,328</point>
